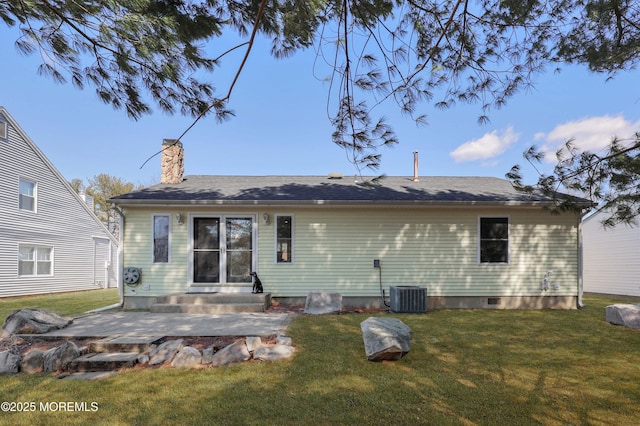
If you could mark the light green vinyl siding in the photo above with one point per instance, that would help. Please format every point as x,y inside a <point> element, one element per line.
<point>157,278</point>
<point>334,249</point>
<point>436,248</point>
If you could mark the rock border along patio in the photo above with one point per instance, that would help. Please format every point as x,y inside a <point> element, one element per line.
<point>92,348</point>
<point>105,357</point>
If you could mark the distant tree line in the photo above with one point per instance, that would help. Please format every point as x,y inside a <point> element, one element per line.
<point>101,188</point>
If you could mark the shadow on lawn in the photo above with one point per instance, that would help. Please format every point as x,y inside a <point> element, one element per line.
<point>464,367</point>
<point>507,367</point>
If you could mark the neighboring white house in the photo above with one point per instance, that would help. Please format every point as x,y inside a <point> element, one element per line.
<point>611,257</point>
<point>50,240</point>
<point>472,242</point>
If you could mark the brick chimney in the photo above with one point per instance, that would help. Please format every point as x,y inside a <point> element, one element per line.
<point>172,162</point>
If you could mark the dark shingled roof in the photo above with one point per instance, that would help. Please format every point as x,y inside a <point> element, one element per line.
<point>270,190</point>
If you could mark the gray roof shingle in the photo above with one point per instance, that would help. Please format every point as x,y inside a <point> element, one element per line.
<point>233,190</point>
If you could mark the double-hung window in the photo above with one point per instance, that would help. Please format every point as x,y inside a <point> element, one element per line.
<point>161,225</point>
<point>284,239</point>
<point>35,261</point>
<point>27,197</point>
<point>494,240</point>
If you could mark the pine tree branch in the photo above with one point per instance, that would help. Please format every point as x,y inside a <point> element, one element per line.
<point>92,41</point>
<point>220,102</point>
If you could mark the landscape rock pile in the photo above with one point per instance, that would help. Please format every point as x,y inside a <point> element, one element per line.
<point>19,355</point>
<point>171,353</point>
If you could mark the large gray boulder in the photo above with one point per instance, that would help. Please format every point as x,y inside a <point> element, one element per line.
<point>623,314</point>
<point>323,302</point>
<point>32,321</point>
<point>253,343</point>
<point>165,352</point>
<point>59,358</point>
<point>207,355</point>
<point>385,339</point>
<point>9,361</point>
<point>187,357</point>
<point>236,352</point>
<point>283,340</point>
<point>273,352</point>
<point>32,362</point>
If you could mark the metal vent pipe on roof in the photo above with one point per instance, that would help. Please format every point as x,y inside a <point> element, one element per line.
<point>415,167</point>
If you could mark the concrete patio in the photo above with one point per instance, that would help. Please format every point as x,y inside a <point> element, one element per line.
<point>105,324</point>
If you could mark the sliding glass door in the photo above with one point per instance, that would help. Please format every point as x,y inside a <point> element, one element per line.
<point>222,249</point>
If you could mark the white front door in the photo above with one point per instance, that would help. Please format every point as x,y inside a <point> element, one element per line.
<point>222,252</point>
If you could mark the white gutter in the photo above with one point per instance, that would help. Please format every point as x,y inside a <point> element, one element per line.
<point>120,255</point>
<point>332,203</point>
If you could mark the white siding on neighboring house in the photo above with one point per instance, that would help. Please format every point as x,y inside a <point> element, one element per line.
<point>104,274</point>
<point>611,257</point>
<point>61,221</point>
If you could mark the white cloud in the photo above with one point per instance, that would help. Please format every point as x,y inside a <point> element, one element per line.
<point>592,134</point>
<point>488,146</point>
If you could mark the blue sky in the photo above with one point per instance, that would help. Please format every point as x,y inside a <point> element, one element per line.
<point>281,125</point>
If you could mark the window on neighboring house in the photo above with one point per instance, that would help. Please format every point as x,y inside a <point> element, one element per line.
<point>35,261</point>
<point>27,200</point>
<point>161,238</point>
<point>284,239</point>
<point>3,130</point>
<point>494,240</point>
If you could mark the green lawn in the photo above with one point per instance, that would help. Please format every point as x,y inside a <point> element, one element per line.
<point>66,304</point>
<point>466,367</point>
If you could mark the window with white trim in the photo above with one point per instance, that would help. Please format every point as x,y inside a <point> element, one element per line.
<point>284,239</point>
<point>27,195</point>
<point>494,240</point>
<point>3,130</point>
<point>35,261</point>
<point>161,225</point>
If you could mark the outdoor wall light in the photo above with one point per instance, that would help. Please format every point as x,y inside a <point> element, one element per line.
<point>180,218</point>
<point>265,218</point>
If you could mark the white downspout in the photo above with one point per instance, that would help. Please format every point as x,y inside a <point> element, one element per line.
<point>120,255</point>
<point>108,266</point>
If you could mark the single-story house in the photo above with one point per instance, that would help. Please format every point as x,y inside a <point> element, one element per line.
<point>472,242</point>
<point>611,257</point>
<point>50,239</point>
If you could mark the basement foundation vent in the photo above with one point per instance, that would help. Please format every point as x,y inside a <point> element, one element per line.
<point>408,299</point>
<point>494,301</point>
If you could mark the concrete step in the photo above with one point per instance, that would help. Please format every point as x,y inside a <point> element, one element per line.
<point>123,344</point>
<point>104,361</point>
<point>211,308</point>
<point>209,298</point>
<point>88,375</point>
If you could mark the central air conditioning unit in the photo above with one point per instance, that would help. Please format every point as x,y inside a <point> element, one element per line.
<point>408,299</point>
